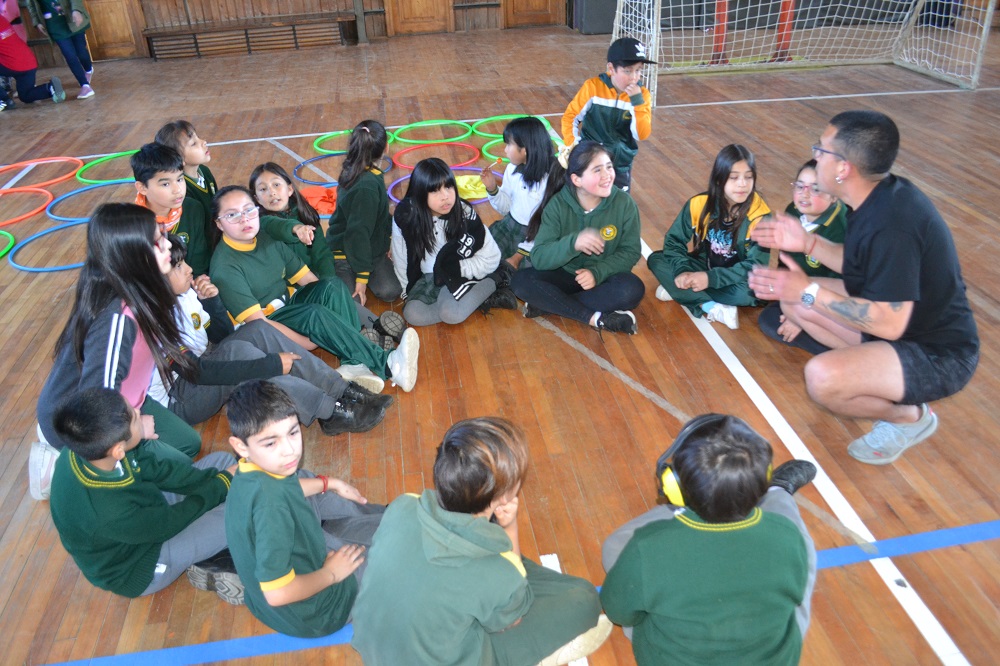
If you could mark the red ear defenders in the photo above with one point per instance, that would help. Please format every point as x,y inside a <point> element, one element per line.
<point>668,484</point>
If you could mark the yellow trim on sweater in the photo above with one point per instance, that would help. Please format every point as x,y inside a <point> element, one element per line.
<point>241,317</point>
<point>246,465</point>
<point>513,558</point>
<point>278,583</point>
<point>751,520</point>
<point>298,276</point>
<point>91,480</point>
<point>238,246</point>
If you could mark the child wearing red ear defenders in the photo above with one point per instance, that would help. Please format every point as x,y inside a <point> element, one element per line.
<point>724,572</point>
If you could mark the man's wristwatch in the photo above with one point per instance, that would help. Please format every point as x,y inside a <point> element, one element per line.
<point>809,295</point>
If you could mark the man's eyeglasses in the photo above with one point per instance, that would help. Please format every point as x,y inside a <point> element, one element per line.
<point>237,215</point>
<point>798,186</point>
<point>819,150</point>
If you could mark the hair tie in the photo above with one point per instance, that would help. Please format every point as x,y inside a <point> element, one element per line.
<point>366,129</point>
<point>563,154</point>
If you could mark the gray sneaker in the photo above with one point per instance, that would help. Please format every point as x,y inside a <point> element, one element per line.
<point>58,94</point>
<point>887,441</point>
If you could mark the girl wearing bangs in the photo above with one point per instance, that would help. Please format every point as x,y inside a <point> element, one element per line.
<point>707,253</point>
<point>442,253</point>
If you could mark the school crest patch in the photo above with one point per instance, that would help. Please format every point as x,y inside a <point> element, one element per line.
<point>196,321</point>
<point>609,232</point>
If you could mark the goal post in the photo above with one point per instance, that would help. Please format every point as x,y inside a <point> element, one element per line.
<point>942,38</point>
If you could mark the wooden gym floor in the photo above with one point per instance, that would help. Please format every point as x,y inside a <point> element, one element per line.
<point>598,413</point>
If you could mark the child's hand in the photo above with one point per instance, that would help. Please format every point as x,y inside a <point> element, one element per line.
<point>788,330</point>
<point>633,89</point>
<point>287,358</point>
<point>489,180</point>
<point>77,17</point>
<point>41,28</point>
<point>585,278</point>
<point>506,514</point>
<point>304,232</point>
<point>148,427</point>
<point>589,241</point>
<point>204,288</point>
<point>693,281</point>
<point>360,292</point>
<point>347,491</point>
<point>345,561</point>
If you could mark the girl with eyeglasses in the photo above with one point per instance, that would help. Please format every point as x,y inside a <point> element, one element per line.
<point>261,278</point>
<point>824,217</point>
<point>707,253</point>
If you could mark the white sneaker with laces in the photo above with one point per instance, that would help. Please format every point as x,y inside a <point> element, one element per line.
<point>724,314</point>
<point>41,462</point>
<point>662,294</point>
<point>888,441</point>
<point>362,376</point>
<point>402,361</point>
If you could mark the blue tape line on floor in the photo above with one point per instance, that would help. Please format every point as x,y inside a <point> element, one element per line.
<point>254,646</point>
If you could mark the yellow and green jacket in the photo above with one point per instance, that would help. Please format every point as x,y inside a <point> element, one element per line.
<point>600,113</point>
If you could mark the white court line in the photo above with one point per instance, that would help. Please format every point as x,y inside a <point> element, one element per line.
<point>24,172</point>
<point>295,156</point>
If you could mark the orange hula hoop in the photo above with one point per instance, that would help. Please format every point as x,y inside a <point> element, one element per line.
<point>27,190</point>
<point>47,160</point>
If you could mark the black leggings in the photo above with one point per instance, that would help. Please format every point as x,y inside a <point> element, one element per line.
<point>557,292</point>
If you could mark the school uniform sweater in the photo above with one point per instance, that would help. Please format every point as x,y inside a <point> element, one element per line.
<point>600,113</point>
<point>317,256</point>
<point>255,276</point>
<point>616,219</point>
<point>361,226</point>
<point>113,523</point>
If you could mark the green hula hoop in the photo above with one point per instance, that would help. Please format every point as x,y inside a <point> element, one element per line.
<point>101,160</point>
<point>390,137</point>
<point>10,242</point>
<point>489,135</point>
<point>434,123</point>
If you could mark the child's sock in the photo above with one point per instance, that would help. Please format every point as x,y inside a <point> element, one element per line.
<point>596,318</point>
<point>705,307</point>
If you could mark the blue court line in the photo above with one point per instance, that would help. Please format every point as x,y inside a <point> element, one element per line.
<point>255,646</point>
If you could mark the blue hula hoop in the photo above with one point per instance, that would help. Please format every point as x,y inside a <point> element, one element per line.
<point>295,171</point>
<point>52,269</point>
<point>60,218</point>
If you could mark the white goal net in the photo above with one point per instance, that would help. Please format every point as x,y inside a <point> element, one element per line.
<point>943,38</point>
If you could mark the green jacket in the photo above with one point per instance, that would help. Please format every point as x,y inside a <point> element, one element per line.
<point>616,218</point>
<point>678,239</point>
<point>361,226</point>
<point>317,256</point>
<point>832,226</point>
<point>58,26</point>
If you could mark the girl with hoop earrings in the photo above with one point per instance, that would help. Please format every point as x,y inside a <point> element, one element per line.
<point>707,253</point>
<point>586,245</point>
<point>361,226</point>
<point>121,330</point>
<point>530,153</point>
<point>442,252</point>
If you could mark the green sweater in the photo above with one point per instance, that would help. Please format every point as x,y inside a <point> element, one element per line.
<point>437,584</point>
<point>703,593</point>
<point>317,256</point>
<point>832,226</point>
<point>361,226</point>
<point>616,219</point>
<point>191,229</point>
<point>113,523</point>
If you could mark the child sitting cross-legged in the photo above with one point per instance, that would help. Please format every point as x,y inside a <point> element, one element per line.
<point>724,574</point>
<point>301,575</point>
<point>134,520</point>
<point>446,582</point>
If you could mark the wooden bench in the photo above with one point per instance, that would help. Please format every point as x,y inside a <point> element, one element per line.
<point>269,33</point>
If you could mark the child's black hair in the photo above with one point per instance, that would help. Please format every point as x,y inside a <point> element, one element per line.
<point>175,135</point>
<point>92,421</point>
<point>718,214</point>
<point>306,214</point>
<point>178,250</point>
<point>368,144</point>
<point>530,134</point>
<point>255,404</point>
<point>154,158</point>
<point>430,175</point>
<point>579,159</point>
<point>722,469</point>
<point>478,461</point>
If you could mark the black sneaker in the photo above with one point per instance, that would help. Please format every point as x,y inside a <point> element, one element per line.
<point>351,417</point>
<point>502,299</point>
<point>619,321</point>
<point>502,275</point>
<point>530,311</point>
<point>356,393</point>
<point>391,324</point>
<point>218,574</point>
<point>792,475</point>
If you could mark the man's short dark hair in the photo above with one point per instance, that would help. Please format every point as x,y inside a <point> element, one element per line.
<point>256,404</point>
<point>478,461</point>
<point>868,139</point>
<point>722,469</point>
<point>92,421</point>
<point>154,158</point>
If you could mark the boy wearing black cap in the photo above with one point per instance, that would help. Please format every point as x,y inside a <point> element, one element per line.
<point>613,108</point>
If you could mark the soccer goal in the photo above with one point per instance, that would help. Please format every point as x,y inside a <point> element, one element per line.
<point>942,38</point>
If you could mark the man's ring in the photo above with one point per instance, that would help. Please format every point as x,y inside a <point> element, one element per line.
<point>771,287</point>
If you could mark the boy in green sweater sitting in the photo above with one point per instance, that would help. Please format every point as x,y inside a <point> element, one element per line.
<point>724,572</point>
<point>118,507</point>
<point>301,575</point>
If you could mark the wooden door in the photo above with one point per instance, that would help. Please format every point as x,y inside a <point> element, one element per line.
<point>407,17</point>
<point>534,12</point>
<point>116,29</point>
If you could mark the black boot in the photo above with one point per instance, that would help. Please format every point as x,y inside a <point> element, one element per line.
<point>793,474</point>
<point>355,393</point>
<point>351,417</point>
<point>502,299</point>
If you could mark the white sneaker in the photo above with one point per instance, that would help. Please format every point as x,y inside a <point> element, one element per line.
<point>86,92</point>
<point>887,441</point>
<point>41,462</point>
<point>581,646</point>
<point>362,376</point>
<point>402,360</point>
<point>662,294</point>
<point>724,314</point>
